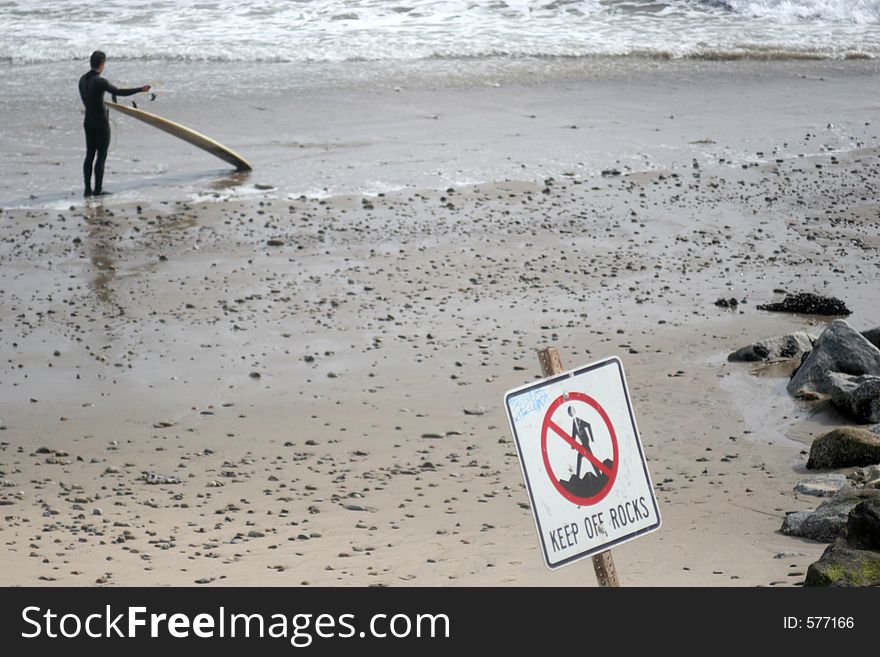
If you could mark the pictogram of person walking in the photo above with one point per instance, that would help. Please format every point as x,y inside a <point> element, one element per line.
<point>583,433</point>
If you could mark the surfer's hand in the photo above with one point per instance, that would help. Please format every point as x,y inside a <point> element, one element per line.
<point>145,88</point>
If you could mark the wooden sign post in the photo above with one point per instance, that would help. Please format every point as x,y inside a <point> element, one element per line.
<point>603,563</point>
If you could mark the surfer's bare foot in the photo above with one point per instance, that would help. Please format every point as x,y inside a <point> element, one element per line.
<point>87,193</point>
<point>102,192</point>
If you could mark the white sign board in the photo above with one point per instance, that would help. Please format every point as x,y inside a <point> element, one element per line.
<point>582,461</point>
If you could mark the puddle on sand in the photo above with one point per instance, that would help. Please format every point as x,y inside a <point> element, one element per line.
<point>779,369</point>
<point>757,390</point>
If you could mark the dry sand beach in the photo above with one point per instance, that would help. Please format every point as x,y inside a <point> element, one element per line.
<point>317,381</point>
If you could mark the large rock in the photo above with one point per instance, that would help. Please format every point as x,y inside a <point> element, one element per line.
<point>873,336</point>
<point>857,397</point>
<point>854,558</point>
<point>844,447</point>
<point>840,349</point>
<point>784,346</point>
<point>863,526</point>
<point>827,521</point>
<point>841,565</point>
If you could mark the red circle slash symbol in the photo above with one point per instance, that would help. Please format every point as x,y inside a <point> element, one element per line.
<point>599,477</point>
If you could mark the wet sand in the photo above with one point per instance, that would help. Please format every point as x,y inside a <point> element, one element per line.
<point>324,377</point>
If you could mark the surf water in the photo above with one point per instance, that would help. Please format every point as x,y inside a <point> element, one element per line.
<point>405,30</point>
<point>305,88</point>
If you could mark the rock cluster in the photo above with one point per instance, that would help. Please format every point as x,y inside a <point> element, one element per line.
<point>809,303</point>
<point>854,557</point>
<point>827,521</point>
<point>850,516</point>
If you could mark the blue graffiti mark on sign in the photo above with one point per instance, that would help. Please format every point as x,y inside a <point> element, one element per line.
<point>529,402</point>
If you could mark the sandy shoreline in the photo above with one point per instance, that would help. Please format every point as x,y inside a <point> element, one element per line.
<point>364,128</point>
<point>292,362</point>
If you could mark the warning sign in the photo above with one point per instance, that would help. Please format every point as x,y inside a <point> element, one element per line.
<point>582,461</point>
<point>599,475</point>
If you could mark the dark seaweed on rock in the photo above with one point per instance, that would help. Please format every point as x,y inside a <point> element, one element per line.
<point>808,303</point>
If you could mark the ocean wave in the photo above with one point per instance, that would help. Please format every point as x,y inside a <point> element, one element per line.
<point>376,30</point>
<point>762,53</point>
<point>831,11</point>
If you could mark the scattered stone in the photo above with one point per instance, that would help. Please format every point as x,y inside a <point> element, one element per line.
<point>730,303</point>
<point>789,555</point>
<point>866,477</point>
<point>809,303</point>
<point>475,411</point>
<point>844,447</point>
<point>154,478</point>
<point>824,485</point>
<point>355,507</point>
<point>793,345</point>
<point>256,534</point>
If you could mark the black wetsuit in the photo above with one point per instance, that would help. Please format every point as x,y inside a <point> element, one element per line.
<point>97,126</point>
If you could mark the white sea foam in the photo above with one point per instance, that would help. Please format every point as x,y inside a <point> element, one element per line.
<point>865,12</point>
<point>342,30</point>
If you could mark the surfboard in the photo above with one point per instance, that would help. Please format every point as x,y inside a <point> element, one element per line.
<point>188,135</point>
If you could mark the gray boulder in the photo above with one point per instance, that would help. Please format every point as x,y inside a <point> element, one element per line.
<point>827,521</point>
<point>844,447</point>
<point>823,485</point>
<point>784,346</point>
<point>841,565</point>
<point>857,397</point>
<point>841,349</point>
<point>854,557</point>
<point>873,336</point>
<point>863,526</point>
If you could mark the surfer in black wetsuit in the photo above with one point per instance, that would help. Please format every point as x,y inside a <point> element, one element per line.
<point>96,124</point>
